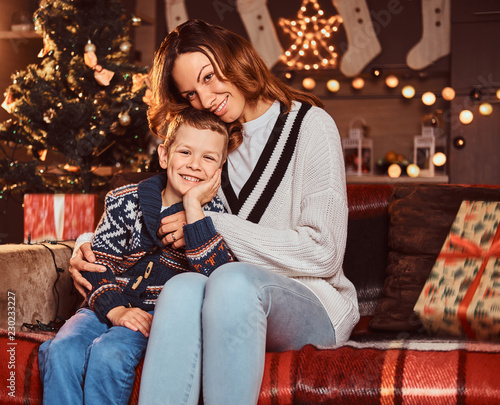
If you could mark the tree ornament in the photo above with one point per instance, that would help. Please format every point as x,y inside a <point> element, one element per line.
<point>46,47</point>
<point>136,21</point>
<point>9,103</point>
<point>49,115</point>
<point>311,33</point>
<point>124,118</point>
<point>125,46</point>
<point>101,75</point>
<point>90,47</point>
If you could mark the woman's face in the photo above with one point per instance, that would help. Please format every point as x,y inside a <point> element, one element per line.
<point>194,76</point>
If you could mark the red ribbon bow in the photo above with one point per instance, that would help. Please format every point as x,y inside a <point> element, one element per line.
<point>470,249</point>
<point>102,76</point>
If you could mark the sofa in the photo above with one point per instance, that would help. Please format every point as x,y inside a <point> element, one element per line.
<point>395,233</point>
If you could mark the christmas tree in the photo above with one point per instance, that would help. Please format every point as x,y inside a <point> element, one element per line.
<point>84,103</point>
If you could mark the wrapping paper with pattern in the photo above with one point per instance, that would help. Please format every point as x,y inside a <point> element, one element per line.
<point>57,217</point>
<point>462,294</point>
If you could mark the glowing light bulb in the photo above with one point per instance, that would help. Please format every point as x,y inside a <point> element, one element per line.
<point>309,83</point>
<point>485,109</point>
<point>333,85</point>
<point>408,91</point>
<point>448,93</point>
<point>466,117</point>
<point>459,142</point>
<point>358,83</point>
<point>428,98</point>
<point>394,170</point>
<point>498,94</point>
<point>391,81</point>
<point>413,170</point>
<point>439,159</point>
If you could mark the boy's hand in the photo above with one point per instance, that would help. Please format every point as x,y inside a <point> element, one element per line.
<point>135,319</point>
<point>204,192</point>
<point>199,195</point>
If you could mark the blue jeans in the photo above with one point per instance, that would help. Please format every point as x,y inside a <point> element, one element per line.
<point>90,363</point>
<point>236,314</point>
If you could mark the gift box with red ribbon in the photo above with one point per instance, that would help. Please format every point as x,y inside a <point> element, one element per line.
<point>461,297</point>
<point>58,217</point>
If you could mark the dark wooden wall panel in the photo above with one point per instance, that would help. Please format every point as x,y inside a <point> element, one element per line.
<point>475,64</point>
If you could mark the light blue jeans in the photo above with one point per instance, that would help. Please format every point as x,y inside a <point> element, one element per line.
<point>219,328</point>
<point>90,363</point>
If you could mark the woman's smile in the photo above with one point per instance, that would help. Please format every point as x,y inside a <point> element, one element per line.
<point>222,108</point>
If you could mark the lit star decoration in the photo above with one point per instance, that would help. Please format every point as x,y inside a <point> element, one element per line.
<point>311,33</point>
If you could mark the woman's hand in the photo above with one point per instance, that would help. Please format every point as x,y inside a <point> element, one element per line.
<point>135,319</point>
<point>83,260</point>
<point>171,231</point>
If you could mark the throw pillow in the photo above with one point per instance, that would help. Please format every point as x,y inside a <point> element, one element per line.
<point>420,218</point>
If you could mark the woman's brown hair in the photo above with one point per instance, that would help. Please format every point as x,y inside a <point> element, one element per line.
<point>234,59</point>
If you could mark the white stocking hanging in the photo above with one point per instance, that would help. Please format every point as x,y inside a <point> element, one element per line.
<point>435,42</point>
<point>260,29</point>
<point>175,13</point>
<point>362,41</point>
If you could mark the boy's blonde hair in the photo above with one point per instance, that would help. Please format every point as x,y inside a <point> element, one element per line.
<point>197,119</point>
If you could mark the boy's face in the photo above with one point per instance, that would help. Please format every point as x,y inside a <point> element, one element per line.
<point>194,157</point>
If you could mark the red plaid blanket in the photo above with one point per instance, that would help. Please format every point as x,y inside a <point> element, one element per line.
<point>400,371</point>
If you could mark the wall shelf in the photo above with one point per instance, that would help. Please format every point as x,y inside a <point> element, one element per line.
<point>383,179</point>
<point>19,34</point>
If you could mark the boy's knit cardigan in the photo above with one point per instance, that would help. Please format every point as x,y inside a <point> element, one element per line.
<point>137,263</point>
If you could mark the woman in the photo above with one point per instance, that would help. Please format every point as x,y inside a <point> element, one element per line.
<point>284,189</point>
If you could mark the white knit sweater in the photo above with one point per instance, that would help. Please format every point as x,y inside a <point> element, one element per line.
<point>302,232</point>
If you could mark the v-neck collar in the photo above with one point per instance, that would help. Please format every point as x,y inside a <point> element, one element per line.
<point>235,202</point>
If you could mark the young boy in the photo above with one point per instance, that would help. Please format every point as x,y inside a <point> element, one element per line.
<point>92,358</point>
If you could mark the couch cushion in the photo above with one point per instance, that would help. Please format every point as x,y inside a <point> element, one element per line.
<point>366,251</point>
<point>420,218</point>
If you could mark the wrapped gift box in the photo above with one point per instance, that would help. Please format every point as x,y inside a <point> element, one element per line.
<point>461,297</point>
<point>57,217</point>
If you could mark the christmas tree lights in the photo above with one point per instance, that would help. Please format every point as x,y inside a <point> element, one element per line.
<point>311,32</point>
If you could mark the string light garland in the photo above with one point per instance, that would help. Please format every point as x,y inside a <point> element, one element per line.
<point>311,33</point>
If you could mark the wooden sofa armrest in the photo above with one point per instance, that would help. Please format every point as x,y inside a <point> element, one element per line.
<point>36,284</point>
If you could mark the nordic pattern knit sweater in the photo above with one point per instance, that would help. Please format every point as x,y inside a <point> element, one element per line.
<point>137,264</point>
<point>291,215</point>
